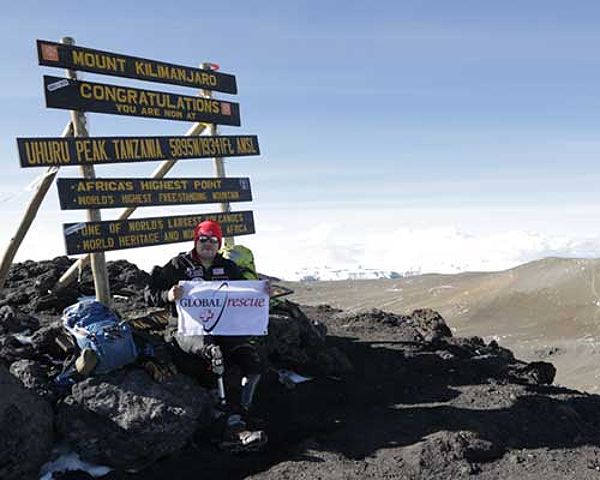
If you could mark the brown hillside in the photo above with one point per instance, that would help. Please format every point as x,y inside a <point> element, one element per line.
<point>547,309</point>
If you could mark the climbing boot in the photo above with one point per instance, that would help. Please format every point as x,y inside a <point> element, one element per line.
<point>86,362</point>
<point>237,438</point>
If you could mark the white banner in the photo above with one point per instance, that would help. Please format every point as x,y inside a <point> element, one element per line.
<point>224,307</point>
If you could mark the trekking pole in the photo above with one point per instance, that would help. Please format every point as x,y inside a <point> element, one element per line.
<point>221,387</point>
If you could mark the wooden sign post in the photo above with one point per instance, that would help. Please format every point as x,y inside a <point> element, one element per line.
<point>218,159</point>
<point>160,172</point>
<point>98,261</point>
<point>94,237</point>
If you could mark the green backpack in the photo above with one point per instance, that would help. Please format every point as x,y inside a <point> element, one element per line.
<point>243,258</point>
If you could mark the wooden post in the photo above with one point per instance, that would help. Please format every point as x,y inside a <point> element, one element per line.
<point>219,162</point>
<point>160,172</point>
<point>32,209</point>
<point>99,271</point>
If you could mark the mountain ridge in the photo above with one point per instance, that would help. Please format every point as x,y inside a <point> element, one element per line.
<point>548,305</point>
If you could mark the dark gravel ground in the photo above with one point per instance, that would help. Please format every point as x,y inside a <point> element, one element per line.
<point>418,404</point>
<point>412,409</point>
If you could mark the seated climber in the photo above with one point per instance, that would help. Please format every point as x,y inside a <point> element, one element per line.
<point>204,262</point>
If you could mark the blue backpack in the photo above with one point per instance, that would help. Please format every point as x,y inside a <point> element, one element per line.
<point>93,325</point>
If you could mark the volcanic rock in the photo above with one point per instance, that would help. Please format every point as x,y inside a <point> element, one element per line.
<point>14,321</point>
<point>35,376</point>
<point>126,420</point>
<point>430,325</point>
<point>392,396</point>
<point>448,453</point>
<point>297,343</point>
<point>13,349</point>
<point>25,430</point>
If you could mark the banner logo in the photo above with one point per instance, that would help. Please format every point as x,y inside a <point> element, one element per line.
<point>232,307</point>
<point>211,317</point>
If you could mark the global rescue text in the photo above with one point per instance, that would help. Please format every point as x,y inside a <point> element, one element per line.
<point>218,303</point>
<point>58,152</point>
<point>154,231</point>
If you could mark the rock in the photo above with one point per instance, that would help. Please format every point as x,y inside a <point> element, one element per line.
<point>297,343</point>
<point>125,278</point>
<point>496,349</point>
<point>25,430</point>
<point>473,346</point>
<point>398,328</point>
<point>283,344</point>
<point>12,350</point>
<point>34,376</point>
<point>56,301</point>
<point>430,325</point>
<point>44,341</point>
<point>127,421</point>
<point>449,453</point>
<point>28,281</point>
<point>14,321</point>
<point>17,298</point>
<point>330,362</point>
<point>46,282</point>
<point>32,285</point>
<point>127,275</point>
<point>534,373</point>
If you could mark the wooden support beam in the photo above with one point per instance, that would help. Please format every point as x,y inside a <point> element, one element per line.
<point>160,172</point>
<point>32,208</point>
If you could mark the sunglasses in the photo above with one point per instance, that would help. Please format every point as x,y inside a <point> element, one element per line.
<point>204,239</point>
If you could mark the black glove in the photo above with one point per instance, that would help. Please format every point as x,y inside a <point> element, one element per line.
<point>160,372</point>
<point>155,321</point>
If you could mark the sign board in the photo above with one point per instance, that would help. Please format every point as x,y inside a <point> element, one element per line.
<point>103,236</point>
<point>119,100</point>
<point>223,308</point>
<point>81,193</point>
<point>60,152</point>
<point>52,54</point>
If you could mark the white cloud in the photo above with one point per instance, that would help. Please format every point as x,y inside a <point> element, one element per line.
<point>393,238</point>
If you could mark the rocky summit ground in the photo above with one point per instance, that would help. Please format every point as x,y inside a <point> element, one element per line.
<point>543,310</point>
<point>392,396</point>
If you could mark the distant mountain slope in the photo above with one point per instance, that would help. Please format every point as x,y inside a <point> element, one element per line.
<point>542,309</point>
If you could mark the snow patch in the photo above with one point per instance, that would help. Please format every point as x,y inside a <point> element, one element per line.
<point>68,460</point>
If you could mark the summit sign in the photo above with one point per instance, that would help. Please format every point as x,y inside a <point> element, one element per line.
<point>60,152</point>
<point>118,100</point>
<point>103,236</point>
<point>52,54</point>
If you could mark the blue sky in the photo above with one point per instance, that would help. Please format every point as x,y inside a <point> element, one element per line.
<point>394,121</point>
